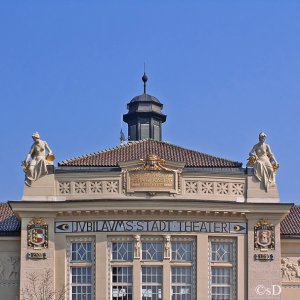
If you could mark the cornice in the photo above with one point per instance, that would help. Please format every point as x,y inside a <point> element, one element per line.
<point>158,207</point>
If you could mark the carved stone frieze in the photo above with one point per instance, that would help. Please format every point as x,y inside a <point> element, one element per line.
<point>204,187</point>
<point>9,268</point>
<point>290,269</point>
<point>84,187</point>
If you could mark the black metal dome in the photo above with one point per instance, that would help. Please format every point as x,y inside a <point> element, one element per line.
<point>145,98</point>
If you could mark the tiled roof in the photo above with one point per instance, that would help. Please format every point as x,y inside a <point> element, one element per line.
<point>140,149</point>
<point>290,226</point>
<point>9,224</point>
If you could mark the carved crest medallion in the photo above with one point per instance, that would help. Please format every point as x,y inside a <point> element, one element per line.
<point>264,235</point>
<point>37,234</point>
<point>151,175</point>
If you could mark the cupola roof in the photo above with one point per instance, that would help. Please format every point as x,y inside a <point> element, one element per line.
<point>145,98</point>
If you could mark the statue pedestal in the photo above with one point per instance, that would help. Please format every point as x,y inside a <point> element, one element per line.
<point>256,192</point>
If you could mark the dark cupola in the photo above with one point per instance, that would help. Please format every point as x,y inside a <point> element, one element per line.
<point>144,117</point>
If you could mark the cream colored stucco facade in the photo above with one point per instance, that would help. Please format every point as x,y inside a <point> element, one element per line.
<point>84,200</point>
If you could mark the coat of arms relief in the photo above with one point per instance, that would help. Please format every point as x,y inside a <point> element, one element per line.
<point>37,234</point>
<point>264,236</point>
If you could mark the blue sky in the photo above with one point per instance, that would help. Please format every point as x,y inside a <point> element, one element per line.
<point>224,70</point>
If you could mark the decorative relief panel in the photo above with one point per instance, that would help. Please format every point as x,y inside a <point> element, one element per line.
<point>290,269</point>
<point>152,175</point>
<point>9,268</point>
<point>191,187</point>
<point>64,188</point>
<point>214,188</point>
<point>96,187</point>
<point>207,187</point>
<point>237,188</point>
<point>112,186</point>
<point>88,187</point>
<point>222,188</point>
<point>80,187</point>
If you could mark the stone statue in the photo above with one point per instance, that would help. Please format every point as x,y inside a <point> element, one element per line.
<point>37,167</point>
<point>167,251</point>
<point>137,246</point>
<point>263,161</point>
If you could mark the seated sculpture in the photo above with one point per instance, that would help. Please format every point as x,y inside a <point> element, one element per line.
<point>37,166</point>
<point>263,161</point>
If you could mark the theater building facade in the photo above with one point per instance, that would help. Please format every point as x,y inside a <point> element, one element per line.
<point>149,220</point>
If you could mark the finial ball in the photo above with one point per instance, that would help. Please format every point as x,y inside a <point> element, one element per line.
<point>145,78</point>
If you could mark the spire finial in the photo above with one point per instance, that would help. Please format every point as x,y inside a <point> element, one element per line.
<point>145,78</point>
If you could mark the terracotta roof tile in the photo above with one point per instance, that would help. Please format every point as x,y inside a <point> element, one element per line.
<point>140,149</point>
<point>9,224</point>
<point>290,226</point>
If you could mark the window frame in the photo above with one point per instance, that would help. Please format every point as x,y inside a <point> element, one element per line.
<point>230,264</point>
<point>152,283</point>
<point>80,263</point>
<point>138,262</point>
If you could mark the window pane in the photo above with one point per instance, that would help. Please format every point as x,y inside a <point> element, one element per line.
<point>152,251</point>
<point>81,293</point>
<point>151,292</point>
<point>221,275</point>
<point>122,251</point>
<point>121,292</point>
<point>221,252</point>
<point>145,134</point>
<point>181,283</point>
<point>81,275</point>
<point>156,130</point>
<point>122,283</point>
<point>132,133</point>
<point>181,275</point>
<point>81,252</point>
<point>151,283</point>
<point>182,251</point>
<point>122,274</point>
<point>221,293</point>
<point>181,292</point>
<point>81,278</point>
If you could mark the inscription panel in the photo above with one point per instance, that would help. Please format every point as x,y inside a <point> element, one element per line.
<point>150,226</point>
<point>151,180</point>
<point>151,175</point>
